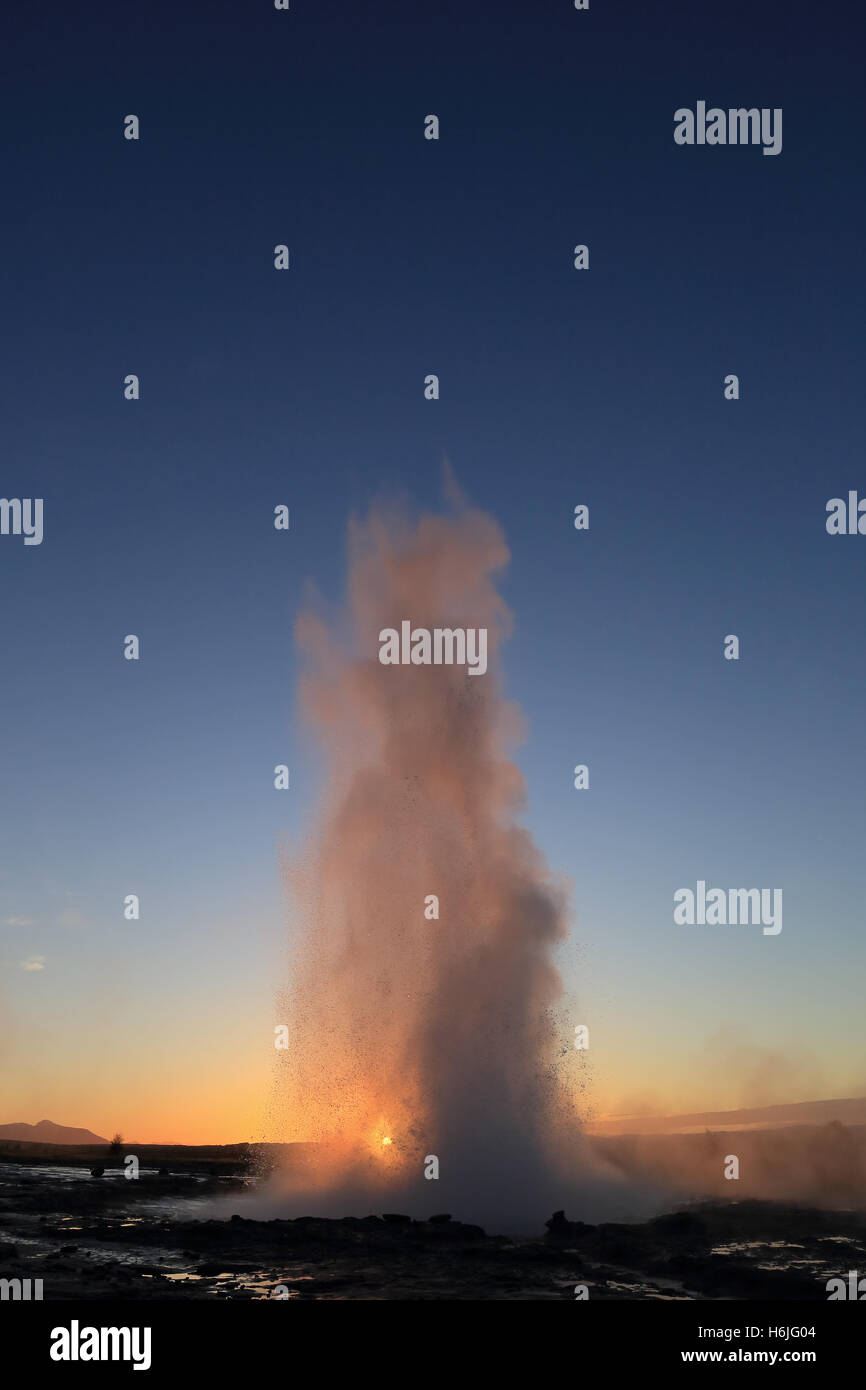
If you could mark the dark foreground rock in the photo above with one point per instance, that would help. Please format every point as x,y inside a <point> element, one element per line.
<point>99,1240</point>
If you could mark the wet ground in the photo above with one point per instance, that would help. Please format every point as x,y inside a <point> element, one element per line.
<point>156,1238</point>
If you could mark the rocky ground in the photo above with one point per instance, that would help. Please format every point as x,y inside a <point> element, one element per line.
<point>100,1238</point>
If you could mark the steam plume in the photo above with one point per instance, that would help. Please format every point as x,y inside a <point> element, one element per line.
<point>411,1037</point>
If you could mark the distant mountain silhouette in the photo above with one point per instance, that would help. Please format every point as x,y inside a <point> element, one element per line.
<point>810,1112</point>
<point>47,1132</point>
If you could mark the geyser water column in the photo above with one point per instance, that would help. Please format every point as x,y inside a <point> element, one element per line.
<point>414,1037</point>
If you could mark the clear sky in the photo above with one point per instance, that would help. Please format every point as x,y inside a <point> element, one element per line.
<point>306,387</point>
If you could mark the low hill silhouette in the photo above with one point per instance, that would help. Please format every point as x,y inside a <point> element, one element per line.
<point>47,1132</point>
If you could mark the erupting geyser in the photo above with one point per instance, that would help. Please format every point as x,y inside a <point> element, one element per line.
<point>422,1043</point>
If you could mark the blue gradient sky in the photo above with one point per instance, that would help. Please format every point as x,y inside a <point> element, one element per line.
<point>557,387</point>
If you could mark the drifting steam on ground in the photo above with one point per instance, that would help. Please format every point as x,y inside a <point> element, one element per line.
<point>413,1038</point>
